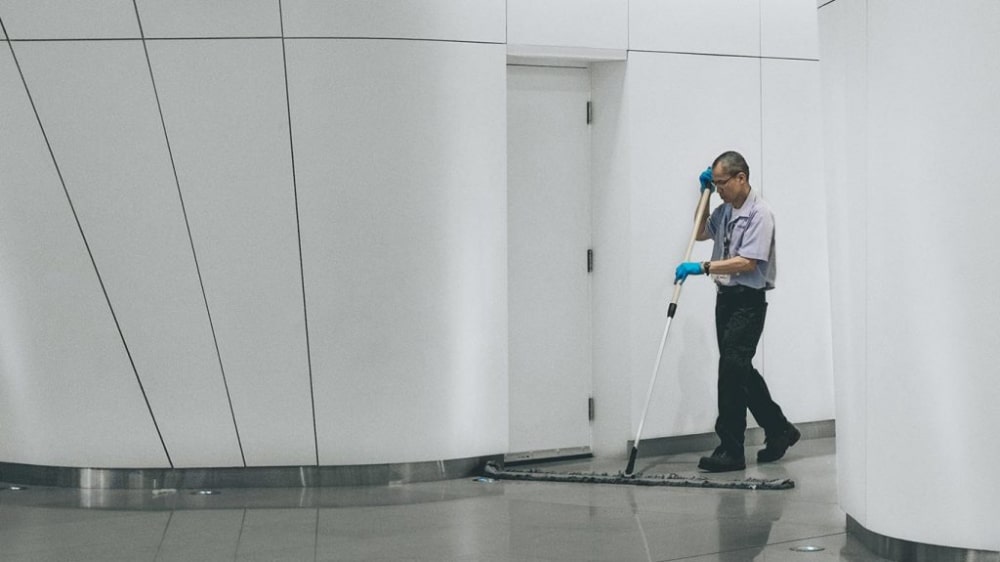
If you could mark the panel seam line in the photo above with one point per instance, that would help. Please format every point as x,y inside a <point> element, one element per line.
<point>298,232</point>
<point>187,225</point>
<point>238,38</point>
<point>728,55</point>
<point>86,244</point>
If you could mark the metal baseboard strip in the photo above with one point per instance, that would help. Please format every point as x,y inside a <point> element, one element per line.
<point>707,441</point>
<point>909,551</point>
<point>236,477</point>
<point>565,453</point>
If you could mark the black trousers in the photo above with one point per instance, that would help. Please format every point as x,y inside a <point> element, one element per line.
<point>739,323</point>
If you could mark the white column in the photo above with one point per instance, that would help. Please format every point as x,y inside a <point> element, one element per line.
<point>395,187</point>
<point>911,235</point>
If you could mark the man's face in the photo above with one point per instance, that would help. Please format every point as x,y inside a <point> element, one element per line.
<point>727,185</point>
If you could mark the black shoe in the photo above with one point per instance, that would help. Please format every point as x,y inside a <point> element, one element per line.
<point>778,444</point>
<point>722,461</point>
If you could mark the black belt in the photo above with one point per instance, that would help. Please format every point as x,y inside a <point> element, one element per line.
<point>737,289</point>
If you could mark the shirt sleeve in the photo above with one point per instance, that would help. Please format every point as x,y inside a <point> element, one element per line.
<point>756,244</point>
<point>714,220</point>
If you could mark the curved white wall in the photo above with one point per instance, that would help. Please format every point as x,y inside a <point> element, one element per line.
<point>67,390</point>
<point>196,335</point>
<point>404,225</point>
<point>333,288</point>
<point>912,129</point>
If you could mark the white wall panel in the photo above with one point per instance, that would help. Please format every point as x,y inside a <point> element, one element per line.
<point>196,18</point>
<point>932,344</point>
<point>451,20</point>
<point>843,45</point>
<point>224,106</point>
<point>788,29</point>
<point>679,123</point>
<point>548,234</point>
<point>97,104</point>
<point>611,203</point>
<point>598,24</point>
<point>68,395</point>
<point>730,27</point>
<point>65,19</point>
<point>401,169</point>
<point>797,354</point>
<point>912,92</point>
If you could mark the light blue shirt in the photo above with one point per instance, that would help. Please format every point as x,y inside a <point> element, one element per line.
<point>749,233</point>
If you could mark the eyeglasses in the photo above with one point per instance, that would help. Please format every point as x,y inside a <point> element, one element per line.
<point>717,184</point>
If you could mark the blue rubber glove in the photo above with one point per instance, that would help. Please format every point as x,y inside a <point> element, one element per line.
<point>706,180</point>
<point>687,268</point>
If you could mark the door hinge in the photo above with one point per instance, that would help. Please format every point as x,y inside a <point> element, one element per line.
<point>590,260</point>
<point>590,112</point>
<point>590,408</point>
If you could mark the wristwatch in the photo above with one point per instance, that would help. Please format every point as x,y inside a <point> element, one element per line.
<point>705,266</point>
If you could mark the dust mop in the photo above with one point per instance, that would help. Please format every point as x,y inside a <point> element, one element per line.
<point>494,471</point>
<point>629,476</point>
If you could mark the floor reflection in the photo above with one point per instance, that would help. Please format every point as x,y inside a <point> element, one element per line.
<point>461,520</point>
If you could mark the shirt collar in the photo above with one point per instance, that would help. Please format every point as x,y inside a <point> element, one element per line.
<point>748,206</point>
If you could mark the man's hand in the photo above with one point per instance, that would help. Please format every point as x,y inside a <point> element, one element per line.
<point>706,180</point>
<point>685,269</point>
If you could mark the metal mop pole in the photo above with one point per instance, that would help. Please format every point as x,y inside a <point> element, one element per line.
<point>702,204</point>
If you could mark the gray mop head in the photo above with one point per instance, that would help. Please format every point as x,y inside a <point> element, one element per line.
<point>494,471</point>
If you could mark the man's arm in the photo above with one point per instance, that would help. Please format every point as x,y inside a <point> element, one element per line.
<point>738,264</point>
<point>756,241</point>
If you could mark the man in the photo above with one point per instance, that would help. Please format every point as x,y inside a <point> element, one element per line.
<point>743,267</point>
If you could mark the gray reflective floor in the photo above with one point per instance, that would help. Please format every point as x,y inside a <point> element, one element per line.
<point>451,520</point>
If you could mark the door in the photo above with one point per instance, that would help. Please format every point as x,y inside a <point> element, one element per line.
<point>549,234</point>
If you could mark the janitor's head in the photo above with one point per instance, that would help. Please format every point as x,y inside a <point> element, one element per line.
<point>731,177</point>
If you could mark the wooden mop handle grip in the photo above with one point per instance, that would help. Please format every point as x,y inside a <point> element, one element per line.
<point>702,205</point>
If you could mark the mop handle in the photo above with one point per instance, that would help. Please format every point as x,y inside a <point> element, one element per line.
<point>702,204</point>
